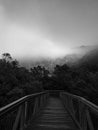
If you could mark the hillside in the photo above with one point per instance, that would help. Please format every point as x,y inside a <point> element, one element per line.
<point>81,55</point>
<point>90,59</point>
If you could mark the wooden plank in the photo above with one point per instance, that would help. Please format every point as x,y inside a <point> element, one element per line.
<point>53,116</point>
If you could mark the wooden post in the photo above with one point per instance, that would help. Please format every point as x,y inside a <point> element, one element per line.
<point>22,121</point>
<point>35,106</point>
<point>89,120</point>
<point>26,112</point>
<point>16,123</point>
<point>82,116</point>
<point>84,123</point>
<point>71,107</point>
<point>41,100</point>
<point>80,112</point>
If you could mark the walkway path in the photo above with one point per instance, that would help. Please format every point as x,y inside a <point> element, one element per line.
<point>53,117</point>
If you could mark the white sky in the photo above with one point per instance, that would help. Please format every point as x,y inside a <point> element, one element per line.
<point>47,28</point>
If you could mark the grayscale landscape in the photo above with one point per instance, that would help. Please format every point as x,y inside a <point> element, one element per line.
<point>48,64</point>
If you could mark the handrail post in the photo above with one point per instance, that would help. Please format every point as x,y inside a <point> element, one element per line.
<point>21,110</point>
<point>16,123</point>
<point>69,104</point>
<point>35,105</point>
<point>41,101</point>
<point>82,116</point>
<point>89,120</point>
<point>22,121</point>
<point>26,110</point>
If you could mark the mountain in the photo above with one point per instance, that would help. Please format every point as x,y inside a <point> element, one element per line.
<point>90,59</point>
<point>83,50</point>
<point>81,55</point>
<point>51,63</point>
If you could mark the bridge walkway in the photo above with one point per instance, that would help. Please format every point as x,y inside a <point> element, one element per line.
<point>49,110</point>
<point>53,116</point>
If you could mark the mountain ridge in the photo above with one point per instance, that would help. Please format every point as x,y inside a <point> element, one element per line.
<point>78,56</point>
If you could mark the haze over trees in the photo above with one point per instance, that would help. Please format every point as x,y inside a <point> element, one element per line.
<point>17,81</point>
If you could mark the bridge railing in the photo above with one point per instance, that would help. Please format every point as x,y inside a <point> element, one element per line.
<point>83,112</point>
<point>16,115</point>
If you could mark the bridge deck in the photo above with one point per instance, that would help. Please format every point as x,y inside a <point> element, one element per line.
<point>53,116</point>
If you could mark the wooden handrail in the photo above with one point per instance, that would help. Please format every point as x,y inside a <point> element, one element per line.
<point>83,112</point>
<point>16,115</point>
<point>24,105</point>
<point>18,102</point>
<point>91,105</point>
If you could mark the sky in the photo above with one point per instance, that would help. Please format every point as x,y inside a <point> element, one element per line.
<point>47,28</point>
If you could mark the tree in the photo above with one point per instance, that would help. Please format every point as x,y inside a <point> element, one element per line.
<point>15,63</point>
<point>39,72</point>
<point>6,57</point>
<point>62,77</point>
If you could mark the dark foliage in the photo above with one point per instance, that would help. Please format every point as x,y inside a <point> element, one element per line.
<point>81,81</point>
<point>16,81</point>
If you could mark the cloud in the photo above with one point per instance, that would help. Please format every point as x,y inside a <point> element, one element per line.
<point>3,26</point>
<point>23,42</point>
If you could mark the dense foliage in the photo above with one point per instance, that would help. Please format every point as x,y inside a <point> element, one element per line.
<point>80,80</point>
<point>17,81</point>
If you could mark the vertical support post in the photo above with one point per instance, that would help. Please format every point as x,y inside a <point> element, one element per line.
<point>80,112</point>
<point>69,106</point>
<point>44,98</point>
<point>22,121</point>
<point>82,116</point>
<point>84,123</point>
<point>26,112</point>
<point>16,123</point>
<point>91,127</point>
<point>72,108</point>
<point>41,100</point>
<point>35,106</point>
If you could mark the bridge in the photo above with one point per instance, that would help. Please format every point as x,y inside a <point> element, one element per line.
<point>49,110</point>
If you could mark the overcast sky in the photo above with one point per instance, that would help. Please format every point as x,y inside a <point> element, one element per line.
<point>47,28</point>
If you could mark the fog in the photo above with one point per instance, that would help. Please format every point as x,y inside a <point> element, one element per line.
<point>47,28</point>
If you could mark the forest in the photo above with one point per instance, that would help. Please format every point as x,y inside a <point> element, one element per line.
<point>17,81</point>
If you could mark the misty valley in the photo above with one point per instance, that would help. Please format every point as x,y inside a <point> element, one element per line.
<point>48,64</point>
<point>78,77</point>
